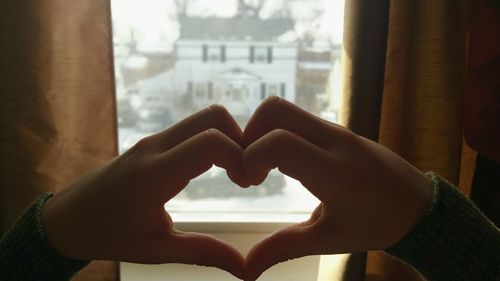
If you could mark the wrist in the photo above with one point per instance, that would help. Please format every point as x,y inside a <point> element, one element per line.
<point>56,229</point>
<point>415,202</point>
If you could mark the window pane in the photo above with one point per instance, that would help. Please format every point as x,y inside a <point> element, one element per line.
<point>175,57</point>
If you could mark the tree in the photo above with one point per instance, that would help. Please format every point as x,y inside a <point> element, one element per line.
<point>182,6</point>
<point>250,8</point>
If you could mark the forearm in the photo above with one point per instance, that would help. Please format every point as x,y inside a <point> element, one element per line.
<point>25,253</point>
<point>453,241</point>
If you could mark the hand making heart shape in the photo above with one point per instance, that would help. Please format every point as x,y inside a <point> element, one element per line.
<point>370,197</point>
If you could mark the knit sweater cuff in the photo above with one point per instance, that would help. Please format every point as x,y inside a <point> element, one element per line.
<point>453,241</point>
<point>26,253</point>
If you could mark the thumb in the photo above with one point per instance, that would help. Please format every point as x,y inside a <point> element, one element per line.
<point>205,250</point>
<point>289,243</point>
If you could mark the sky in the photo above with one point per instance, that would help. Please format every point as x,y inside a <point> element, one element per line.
<point>154,21</point>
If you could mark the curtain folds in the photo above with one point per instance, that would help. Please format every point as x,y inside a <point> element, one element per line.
<point>421,107</point>
<point>363,61</point>
<point>57,105</point>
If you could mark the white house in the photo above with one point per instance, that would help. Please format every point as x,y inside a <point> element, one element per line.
<point>233,61</point>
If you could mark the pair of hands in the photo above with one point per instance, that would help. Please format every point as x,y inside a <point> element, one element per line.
<point>370,197</point>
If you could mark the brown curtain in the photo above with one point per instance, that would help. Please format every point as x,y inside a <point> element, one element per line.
<point>422,104</point>
<point>421,97</point>
<point>57,106</point>
<point>363,60</point>
<point>404,87</point>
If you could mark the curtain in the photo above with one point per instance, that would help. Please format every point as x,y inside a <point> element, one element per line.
<point>482,108</point>
<point>57,106</point>
<point>421,97</point>
<point>422,103</point>
<point>363,61</point>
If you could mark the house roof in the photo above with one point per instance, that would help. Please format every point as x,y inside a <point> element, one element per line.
<point>236,28</point>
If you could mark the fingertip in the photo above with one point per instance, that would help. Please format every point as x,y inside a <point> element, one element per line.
<point>237,269</point>
<point>257,261</point>
<point>253,274</point>
<point>250,277</point>
<point>245,185</point>
<point>239,178</point>
<point>258,178</point>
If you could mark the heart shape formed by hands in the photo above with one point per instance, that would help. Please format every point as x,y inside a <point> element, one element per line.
<point>116,212</point>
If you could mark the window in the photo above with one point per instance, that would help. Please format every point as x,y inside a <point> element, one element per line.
<point>214,54</point>
<point>223,53</point>
<point>199,90</point>
<point>251,56</point>
<point>205,52</point>
<point>263,91</point>
<point>210,90</point>
<point>269,54</point>
<point>296,55</point>
<point>273,90</point>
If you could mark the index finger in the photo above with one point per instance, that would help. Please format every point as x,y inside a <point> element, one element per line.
<point>196,155</point>
<point>277,113</point>
<point>212,117</point>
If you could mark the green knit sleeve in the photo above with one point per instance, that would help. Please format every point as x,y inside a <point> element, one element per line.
<point>453,241</point>
<point>25,253</point>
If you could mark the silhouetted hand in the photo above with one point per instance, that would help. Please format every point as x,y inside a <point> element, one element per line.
<point>370,197</point>
<point>117,211</point>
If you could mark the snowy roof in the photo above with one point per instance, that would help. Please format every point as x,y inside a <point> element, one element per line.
<point>236,28</point>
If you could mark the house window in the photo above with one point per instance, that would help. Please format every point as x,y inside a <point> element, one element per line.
<point>269,54</point>
<point>204,53</point>
<point>246,91</point>
<point>199,90</point>
<point>214,54</point>
<point>282,90</point>
<point>223,53</point>
<point>261,54</point>
<point>210,90</point>
<point>251,56</point>
<point>237,93</point>
<point>273,89</point>
<point>263,90</point>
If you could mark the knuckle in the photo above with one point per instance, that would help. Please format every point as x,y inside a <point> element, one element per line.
<point>270,104</point>
<point>213,135</point>
<point>143,143</point>
<point>350,137</point>
<point>272,101</point>
<point>280,138</point>
<point>219,111</point>
<point>214,140</point>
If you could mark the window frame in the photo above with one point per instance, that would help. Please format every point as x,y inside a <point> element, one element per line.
<point>235,228</point>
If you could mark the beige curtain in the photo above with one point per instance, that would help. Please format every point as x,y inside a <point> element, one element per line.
<point>418,93</point>
<point>57,106</point>
<point>363,59</point>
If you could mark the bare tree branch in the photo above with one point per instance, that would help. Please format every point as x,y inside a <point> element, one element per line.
<point>181,6</point>
<point>249,8</point>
